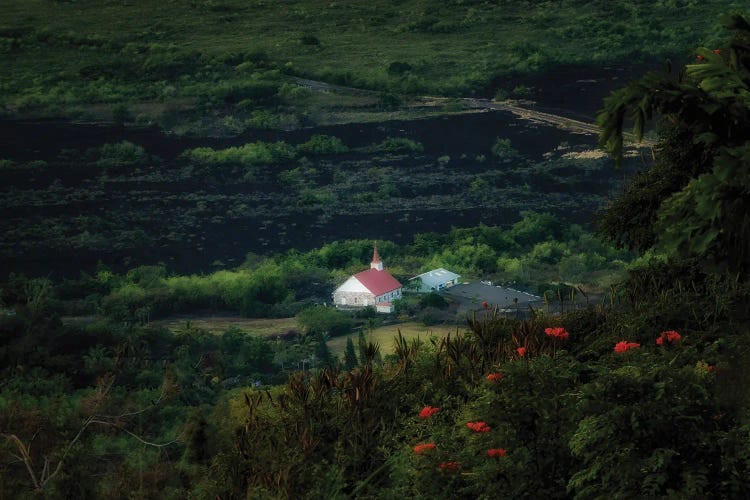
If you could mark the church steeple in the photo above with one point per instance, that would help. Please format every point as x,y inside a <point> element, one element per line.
<point>376,262</point>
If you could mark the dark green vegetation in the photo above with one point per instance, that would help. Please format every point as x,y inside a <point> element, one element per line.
<point>643,395</point>
<point>148,198</point>
<point>534,253</point>
<point>204,65</point>
<point>690,212</point>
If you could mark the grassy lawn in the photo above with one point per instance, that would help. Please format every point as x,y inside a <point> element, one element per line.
<point>269,327</point>
<point>385,334</point>
<point>219,324</point>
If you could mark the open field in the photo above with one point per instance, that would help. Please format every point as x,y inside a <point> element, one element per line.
<point>271,327</point>
<point>220,324</point>
<point>240,58</point>
<point>384,335</point>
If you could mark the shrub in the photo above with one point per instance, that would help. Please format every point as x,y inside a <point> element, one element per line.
<point>322,145</point>
<point>502,149</point>
<point>120,154</point>
<point>433,299</point>
<point>324,320</point>
<point>256,153</point>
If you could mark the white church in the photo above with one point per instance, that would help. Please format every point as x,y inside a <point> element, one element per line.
<point>373,287</point>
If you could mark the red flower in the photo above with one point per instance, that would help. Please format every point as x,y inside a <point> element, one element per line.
<point>711,368</point>
<point>478,426</point>
<point>422,448</point>
<point>495,377</point>
<point>521,351</point>
<point>450,465</point>
<point>717,51</point>
<point>670,336</point>
<point>699,57</point>
<point>485,305</point>
<point>428,411</point>
<point>496,452</point>
<point>624,346</point>
<point>557,332</point>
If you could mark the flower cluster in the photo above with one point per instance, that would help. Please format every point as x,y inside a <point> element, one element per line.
<point>478,426</point>
<point>422,448</point>
<point>450,465</point>
<point>557,332</point>
<point>495,377</point>
<point>624,346</point>
<point>496,452</point>
<point>669,336</point>
<point>521,351</point>
<point>428,411</point>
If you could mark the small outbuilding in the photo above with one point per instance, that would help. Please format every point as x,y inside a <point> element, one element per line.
<point>436,280</point>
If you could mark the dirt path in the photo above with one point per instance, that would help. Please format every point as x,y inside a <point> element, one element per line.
<point>524,113</point>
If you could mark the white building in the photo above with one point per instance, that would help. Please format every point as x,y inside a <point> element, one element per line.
<point>436,280</point>
<point>373,287</point>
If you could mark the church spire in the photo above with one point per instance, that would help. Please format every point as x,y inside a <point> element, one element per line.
<point>376,262</point>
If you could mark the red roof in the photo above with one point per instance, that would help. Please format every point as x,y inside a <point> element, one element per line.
<point>378,282</point>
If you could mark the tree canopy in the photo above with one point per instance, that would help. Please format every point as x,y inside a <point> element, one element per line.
<point>693,202</point>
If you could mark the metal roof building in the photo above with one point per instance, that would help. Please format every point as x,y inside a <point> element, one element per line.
<point>436,280</point>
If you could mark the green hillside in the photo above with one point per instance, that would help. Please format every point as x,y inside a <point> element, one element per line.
<point>122,381</point>
<point>158,56</point>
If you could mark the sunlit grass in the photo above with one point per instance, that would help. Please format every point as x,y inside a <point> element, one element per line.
<point>384,335</point>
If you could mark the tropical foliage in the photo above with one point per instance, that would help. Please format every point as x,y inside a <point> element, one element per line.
<point>699,202</point>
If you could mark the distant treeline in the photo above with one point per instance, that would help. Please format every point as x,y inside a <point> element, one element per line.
<point>534,253</point>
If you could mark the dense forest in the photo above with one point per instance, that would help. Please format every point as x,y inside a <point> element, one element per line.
<point>629,379</point>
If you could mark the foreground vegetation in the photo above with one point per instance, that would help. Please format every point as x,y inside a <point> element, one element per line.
<point>143,63</point>
<point>644,395</point>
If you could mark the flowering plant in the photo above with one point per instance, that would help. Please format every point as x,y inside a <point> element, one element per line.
<point>450,465</point>
<point>428,411</point>
<point>422,448</point>
<point>557,332</point>
<point>478,426</point>
<point>670,336</point>
<point>624,346</point>
<point>495,377</point>
<point>496,452</point>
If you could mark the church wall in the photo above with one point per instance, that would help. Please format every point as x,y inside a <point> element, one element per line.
<point>353,299</point>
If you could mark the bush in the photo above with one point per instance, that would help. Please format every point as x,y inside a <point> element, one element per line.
<point>324,320</point>
<point>120,154</point>
<point>256,153</point>
<point>502,149</point>
<point>433,299</point>
<point>322,145</point>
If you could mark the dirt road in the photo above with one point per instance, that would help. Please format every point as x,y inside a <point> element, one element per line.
<point>523,112</point>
